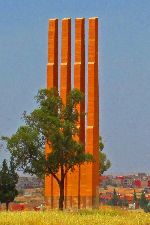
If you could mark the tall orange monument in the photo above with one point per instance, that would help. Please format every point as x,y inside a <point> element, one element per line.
<point>82,185</point>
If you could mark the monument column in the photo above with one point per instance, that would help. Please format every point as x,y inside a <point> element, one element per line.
<point>92,180</point>
<point>65,67</point>
<point>79,83</point>
<point>79,71</point>
<point>52,81</point>
<point>82,185</point>
<point>52,66</point>
<point>65,80</point>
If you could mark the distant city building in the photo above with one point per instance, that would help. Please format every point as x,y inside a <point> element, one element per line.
<point>140,180</point>
<point>29,182</point>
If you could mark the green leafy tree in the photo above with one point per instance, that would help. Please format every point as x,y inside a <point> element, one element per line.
<point>143,201</point>
<point>54,124</point>
<point>105,163</point>
<point>8,181</point>
<point>147,208</point>
<point>134,197</point>
<point>125,203</point>
<point>114,201</point>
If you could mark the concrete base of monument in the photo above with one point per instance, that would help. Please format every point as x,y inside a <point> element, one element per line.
<point>73,202</point>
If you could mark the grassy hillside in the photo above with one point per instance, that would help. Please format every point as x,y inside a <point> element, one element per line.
<point>94,217</point>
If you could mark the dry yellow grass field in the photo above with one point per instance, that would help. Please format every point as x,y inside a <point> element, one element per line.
<point>87,217</point>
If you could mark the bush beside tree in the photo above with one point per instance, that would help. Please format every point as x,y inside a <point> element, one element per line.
<point>105,163</point>
<point>143,201</point>
<point>8,181</point>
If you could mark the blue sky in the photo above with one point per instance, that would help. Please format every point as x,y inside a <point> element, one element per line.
<point>124,48</point>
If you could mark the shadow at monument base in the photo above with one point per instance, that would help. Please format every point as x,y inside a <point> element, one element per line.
<point>73,202</point>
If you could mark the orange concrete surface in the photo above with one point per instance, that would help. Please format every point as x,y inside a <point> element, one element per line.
<point>81,186</point>
<point>92,145</point>
<point>65,76</point>
<point>65,67</point>
<point>75,184</point>
<point>52,66</point>
<point>52,81</point>
<point>79,83</point>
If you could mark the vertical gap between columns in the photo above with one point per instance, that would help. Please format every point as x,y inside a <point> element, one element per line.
<point>59,52</point>
<point>86,73</point>
<point>72,51</point>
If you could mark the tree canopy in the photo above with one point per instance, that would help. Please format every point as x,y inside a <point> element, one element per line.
<point>54,124</point>
<point>105,163</point>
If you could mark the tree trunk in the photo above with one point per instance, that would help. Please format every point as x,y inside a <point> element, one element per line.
<point>61,187</point>
<point>61,197</point>
<point>79,180</point>
<point>7,206</point>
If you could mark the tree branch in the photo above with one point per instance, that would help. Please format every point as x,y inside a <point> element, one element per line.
<point>54,175</point>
